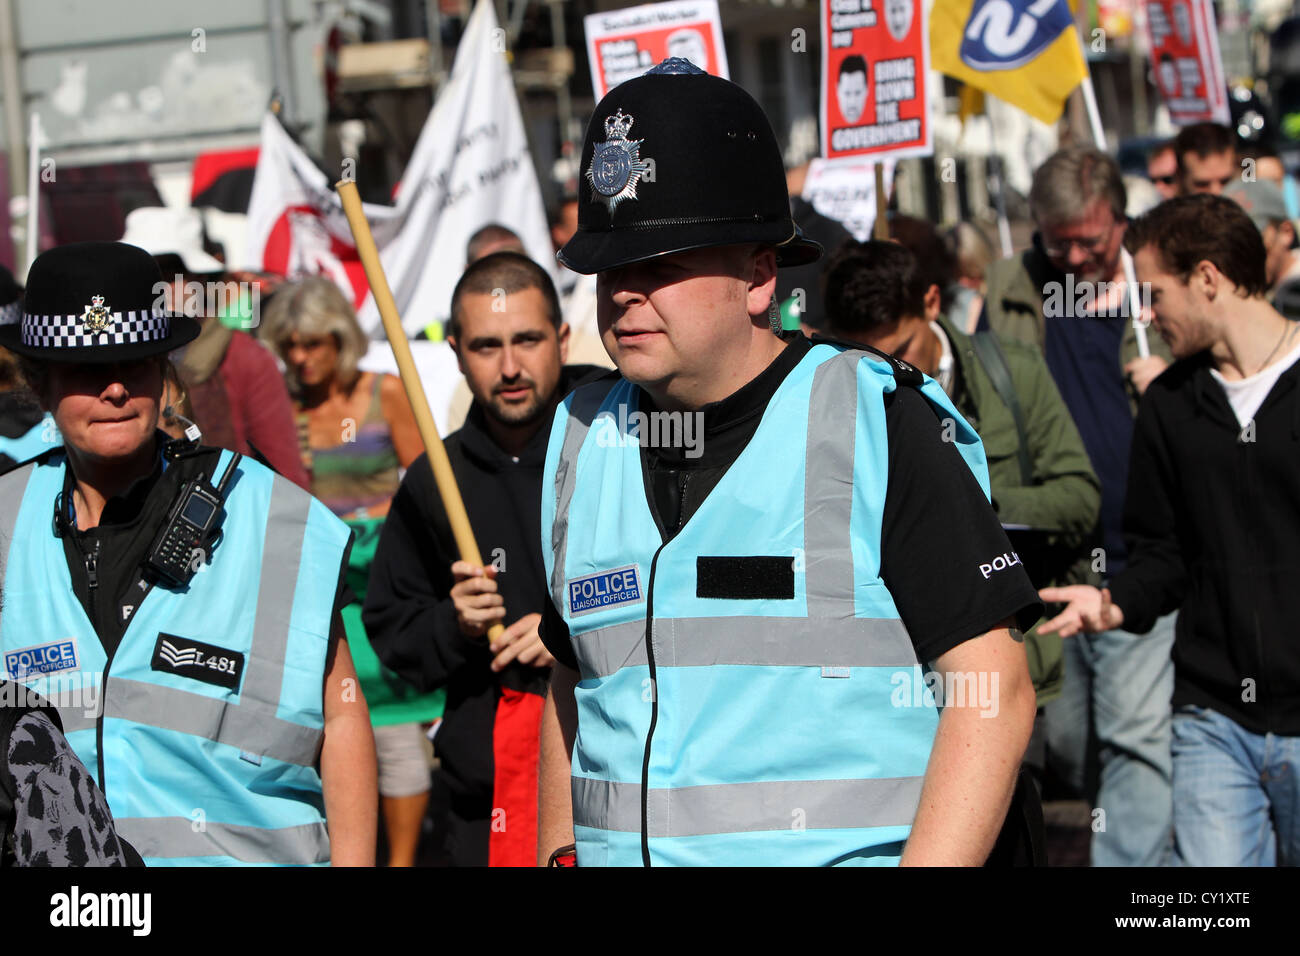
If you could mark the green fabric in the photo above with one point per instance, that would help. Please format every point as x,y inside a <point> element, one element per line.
<point>1065,497</point>
<point>391,699</point>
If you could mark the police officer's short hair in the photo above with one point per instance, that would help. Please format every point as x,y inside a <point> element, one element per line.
<point>1070,181</point>
<point>872,285</point>
<point>503,273</point>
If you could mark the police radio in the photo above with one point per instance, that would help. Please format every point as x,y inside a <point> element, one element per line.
<point>179,547</point>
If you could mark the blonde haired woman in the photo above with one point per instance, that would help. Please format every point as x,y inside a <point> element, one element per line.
<point>356,430</point>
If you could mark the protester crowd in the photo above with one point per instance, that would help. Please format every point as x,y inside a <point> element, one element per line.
<point>1143,468</point>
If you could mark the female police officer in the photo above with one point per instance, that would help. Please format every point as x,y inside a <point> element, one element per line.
<point>178,603</point>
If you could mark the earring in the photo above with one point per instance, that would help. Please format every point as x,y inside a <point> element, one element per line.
<point>774,316</point>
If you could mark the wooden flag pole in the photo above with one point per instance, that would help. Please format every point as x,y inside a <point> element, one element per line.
<point>442,473</point>
<point>1130,275</point>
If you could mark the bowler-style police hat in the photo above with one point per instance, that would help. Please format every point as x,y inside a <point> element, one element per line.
<point>677,159</point>
<point>95,303</point>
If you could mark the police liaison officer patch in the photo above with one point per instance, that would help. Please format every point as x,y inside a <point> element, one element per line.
<point>42,659</point>
<point>595,592</point>
<point>616,164</point>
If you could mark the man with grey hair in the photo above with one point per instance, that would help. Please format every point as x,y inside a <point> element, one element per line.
<point>1109,732</point>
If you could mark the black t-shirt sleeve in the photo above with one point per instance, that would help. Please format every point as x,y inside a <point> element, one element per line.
<point>555,635</point>
<point>944,556</point>
<point>343,593</point>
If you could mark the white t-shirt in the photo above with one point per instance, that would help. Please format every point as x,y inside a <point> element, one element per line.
<point>1247,394</point>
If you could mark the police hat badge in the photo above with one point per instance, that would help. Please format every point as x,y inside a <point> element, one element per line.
<point>616,164</point>
<point>97,316</point>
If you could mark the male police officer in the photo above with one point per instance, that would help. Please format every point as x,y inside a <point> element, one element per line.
<point>740,538</point>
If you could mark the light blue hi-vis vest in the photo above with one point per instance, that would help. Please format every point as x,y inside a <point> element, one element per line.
<point>38,439</point>
<point>748,728</point>
<point>195,773</point>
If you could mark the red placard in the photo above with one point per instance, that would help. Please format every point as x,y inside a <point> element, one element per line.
<point>1185,59</point>
<point>875,58</point>
<point>625,43</point>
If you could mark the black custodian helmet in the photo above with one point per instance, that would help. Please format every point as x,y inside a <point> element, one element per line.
<point>674,160</point>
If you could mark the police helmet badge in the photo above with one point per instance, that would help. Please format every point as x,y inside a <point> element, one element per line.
<point>96,316</point>
<point>616,164</point>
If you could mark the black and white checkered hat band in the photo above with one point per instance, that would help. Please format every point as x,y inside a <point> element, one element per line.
<point>69,331</point>
<point>11,313</point>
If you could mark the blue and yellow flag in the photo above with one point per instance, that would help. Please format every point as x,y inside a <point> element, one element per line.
<point>1023,51</point>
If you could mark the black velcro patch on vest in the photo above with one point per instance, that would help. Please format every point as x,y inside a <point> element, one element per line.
<point>745,578</point>
<point>196,660</point>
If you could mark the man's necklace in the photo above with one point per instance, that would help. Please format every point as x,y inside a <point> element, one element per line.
<point>1286,334</point>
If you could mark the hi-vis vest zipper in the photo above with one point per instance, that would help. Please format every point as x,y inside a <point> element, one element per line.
<point>737,681</point>
<point>204,728</point>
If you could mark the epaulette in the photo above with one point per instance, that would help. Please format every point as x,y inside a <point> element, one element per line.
<point>904,372</point>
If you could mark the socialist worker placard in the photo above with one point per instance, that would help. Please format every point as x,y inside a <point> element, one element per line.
<point>625,43</point>
<point>875,57</point>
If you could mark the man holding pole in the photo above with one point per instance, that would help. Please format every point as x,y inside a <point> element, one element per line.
<point>428,613</point>
<point>738,533</point>
<point>1108,733</point>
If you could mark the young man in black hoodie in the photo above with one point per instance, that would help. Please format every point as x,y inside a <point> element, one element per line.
<point>1212,519</point>
<point>428,613</point>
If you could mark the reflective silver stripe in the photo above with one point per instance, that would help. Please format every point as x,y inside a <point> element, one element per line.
<point>582,410</point>
<point>168,837</point>
<point>12,488</point>
<point>747,807</point>
<point>73,712</point>
<point>286,524</point>
<point>756,641</point>
<point>251,730</point>
<point>74,719</point>
<point>828,487</point>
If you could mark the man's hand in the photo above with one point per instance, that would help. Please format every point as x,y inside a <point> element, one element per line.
<point>521,642</point>
<point>1143,371</point>
<point>478,605</point>
<point>1088,609</point>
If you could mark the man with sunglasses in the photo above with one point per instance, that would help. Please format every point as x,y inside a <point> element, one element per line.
<point>1162,169</point>
<point>1108,734</point>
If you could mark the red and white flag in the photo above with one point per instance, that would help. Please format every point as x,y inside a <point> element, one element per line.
<point>296,225</point>
<point>471,166</point>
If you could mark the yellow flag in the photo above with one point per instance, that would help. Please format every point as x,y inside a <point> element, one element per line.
<point>1023,51</point>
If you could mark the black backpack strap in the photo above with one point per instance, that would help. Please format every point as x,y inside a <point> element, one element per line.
<point>989,352</point>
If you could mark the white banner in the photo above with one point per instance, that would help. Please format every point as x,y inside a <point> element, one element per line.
<point>471,167</point>
<point>845,190</point>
